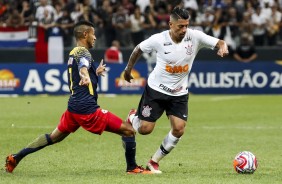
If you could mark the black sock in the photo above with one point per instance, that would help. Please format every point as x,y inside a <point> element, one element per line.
<point>39,143</point>
<point>129,145</point>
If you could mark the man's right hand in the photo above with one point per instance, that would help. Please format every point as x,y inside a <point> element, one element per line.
<point>127,75</point>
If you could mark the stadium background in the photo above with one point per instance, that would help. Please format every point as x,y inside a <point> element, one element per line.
<point>36,37</point>
<point>220,125</point>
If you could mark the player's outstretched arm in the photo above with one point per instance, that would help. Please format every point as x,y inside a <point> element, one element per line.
<point>222,48</point>
<point>84,77</point>
<point>135,55</point>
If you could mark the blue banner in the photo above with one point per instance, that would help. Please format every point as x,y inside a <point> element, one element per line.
<point>205,78</point>
<point>52,79</point>
<point>236,78</point>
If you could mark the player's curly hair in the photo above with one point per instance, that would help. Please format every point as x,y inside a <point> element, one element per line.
<point>81,27</point>
<point>179,13</point>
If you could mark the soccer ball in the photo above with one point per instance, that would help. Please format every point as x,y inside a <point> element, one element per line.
<point>245,162</point>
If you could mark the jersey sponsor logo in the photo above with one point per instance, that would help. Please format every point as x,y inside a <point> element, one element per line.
<point>177,68</point>
<point>167,43</point>
<point>146,112</point>
<point>167,52</point>
<point>8,81</point>
<point>165,88</point>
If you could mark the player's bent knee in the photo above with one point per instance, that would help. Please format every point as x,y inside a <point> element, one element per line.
<point>145,130</point>
<point>146,127</point>
<point>128,133</point>
<point>178,133</point>
<point>144,133</point>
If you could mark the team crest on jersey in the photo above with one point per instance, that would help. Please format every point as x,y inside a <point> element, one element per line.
<point>189,48</point>
<point>146,111</point>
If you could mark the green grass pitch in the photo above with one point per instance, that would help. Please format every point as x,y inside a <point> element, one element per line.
<point>219,127</point>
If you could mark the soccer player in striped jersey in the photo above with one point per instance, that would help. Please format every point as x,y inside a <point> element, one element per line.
<point>83,109</point>
<point>167,86</point>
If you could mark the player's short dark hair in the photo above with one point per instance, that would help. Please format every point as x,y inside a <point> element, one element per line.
<point>179,13</point>
<point>80,27</point>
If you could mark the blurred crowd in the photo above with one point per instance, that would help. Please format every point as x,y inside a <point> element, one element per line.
<point>131,21</point>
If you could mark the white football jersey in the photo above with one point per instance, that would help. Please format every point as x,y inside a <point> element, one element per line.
<point>174,61</point>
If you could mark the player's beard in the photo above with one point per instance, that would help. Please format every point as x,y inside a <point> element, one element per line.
<point>180,37</point>
<point>91,44</point>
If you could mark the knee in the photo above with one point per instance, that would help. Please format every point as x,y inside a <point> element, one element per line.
<point>178,132</point>
<point>144,130</point>
<point>129,132</point>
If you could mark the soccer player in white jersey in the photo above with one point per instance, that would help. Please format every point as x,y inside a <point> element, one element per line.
<point>167,86</point>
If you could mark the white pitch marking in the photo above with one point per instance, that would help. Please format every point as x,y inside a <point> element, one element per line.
<point>32,127</point>
<point>221,98</point>
<point>108,95</point>
<point>241,127</point>
<point>8,95</point>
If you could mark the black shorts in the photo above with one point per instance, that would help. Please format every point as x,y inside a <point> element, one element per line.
<point>153,104</point>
